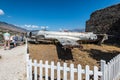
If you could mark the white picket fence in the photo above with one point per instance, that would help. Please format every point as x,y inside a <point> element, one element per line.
<point>39,67</point>
<point>111,70</point>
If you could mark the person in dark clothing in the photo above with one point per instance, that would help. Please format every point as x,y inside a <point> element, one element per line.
<point>15,39</point>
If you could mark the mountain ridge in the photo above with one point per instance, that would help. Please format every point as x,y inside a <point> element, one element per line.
<point>11,27</point>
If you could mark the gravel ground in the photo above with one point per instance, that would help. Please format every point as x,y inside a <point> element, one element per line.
<point>12,64</point>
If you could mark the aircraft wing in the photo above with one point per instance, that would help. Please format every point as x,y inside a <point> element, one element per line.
<point>67,42</point>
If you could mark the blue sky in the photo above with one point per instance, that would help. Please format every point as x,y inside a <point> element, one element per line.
<point>55,14</point>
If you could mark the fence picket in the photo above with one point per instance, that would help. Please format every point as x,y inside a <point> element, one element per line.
<point>64,71</point>
<point>110,70</point>
<point>41,70</point>
<point>58,71</point>
<point>52,70</point>
<point>46,70</point>
<point>30,67</point>
<point>95,73</point>
<point>103,69</point>
<point>27,65</point>
<point>35,69</point>
<point>87,77</point>
<point>79,72</point>
<point>71,71</point>
<point>106,68</point>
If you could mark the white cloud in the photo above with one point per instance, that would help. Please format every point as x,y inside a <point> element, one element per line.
<point>34,26</point>
<point>27,25</point>
<point>31,26</point>
<point>44,27</point>
<point>1,12</point>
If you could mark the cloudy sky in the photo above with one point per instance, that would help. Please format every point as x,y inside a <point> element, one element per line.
<point>55,14</point>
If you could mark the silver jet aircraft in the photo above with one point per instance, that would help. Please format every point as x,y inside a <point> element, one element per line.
<point>64,38</point>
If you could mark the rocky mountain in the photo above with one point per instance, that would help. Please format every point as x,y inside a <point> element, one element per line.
<point>106,20</point>
<point>6,26</point>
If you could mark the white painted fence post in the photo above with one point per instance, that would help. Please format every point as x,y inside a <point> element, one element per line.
<point>35,69</point>
<point>87,69</point>
<point>27,65</point>
<point>113,68</point>
<point>103,63</point>
<point>106,72</point>
<point>41,70</point>
<point>52,70</point>
<point>64,71</point>
<point>108,66</point>
<point>30,67</point>
<point>79,72</point>
<point>95,73</point>
<point>71,71</point>
<point>46,70</point>
<point>58,71</point>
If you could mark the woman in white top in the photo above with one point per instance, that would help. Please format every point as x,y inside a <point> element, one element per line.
<point>7,40</point>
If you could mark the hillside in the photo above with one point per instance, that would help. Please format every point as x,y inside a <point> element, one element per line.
<point>7,26</point>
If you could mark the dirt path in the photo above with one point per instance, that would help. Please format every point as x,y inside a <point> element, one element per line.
<point>12,64</point>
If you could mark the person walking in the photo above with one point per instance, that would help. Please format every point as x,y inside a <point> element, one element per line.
<point>6,36</point>
<point>15,40</point>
